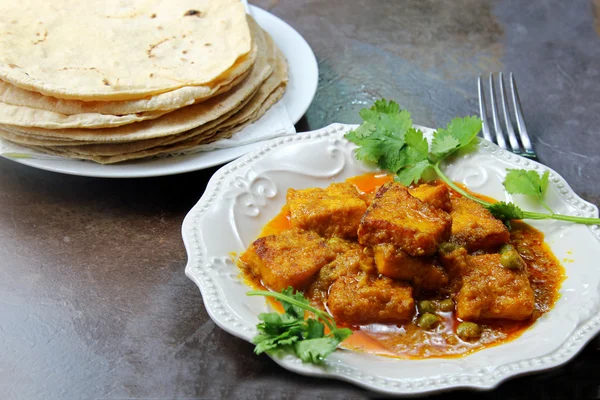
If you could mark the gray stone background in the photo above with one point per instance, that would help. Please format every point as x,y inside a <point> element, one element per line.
<point>93,300</point>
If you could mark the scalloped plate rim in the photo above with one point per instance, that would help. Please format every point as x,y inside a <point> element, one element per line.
<point>213,190</point>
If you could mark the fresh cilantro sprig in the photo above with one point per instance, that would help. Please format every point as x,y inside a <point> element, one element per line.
<point>387,138</point>
<point>530,183</point>
<point>291,332</point>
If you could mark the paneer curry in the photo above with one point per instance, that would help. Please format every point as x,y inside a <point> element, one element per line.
<point>416,271</point>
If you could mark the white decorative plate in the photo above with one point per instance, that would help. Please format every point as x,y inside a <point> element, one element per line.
<point>245,194</point>
<point>301,89</point>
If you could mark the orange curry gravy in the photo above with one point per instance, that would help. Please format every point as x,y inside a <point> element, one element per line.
<point>407,340</point>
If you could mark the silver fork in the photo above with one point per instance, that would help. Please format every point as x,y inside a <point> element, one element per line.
<point>526,149</point>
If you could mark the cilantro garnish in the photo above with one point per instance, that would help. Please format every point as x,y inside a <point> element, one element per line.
<point>530,183</point>
<point>387,138</point>
<point>291,332</point>
<point>506,211</point>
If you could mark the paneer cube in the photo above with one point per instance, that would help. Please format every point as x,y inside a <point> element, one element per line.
<point>370,300</point>
<point>454,261</point>
<point>291,258</point>
<point>436,195</point>
<point>397,218</point>
<point>368,198</point>
<point>340,246</point>
<point>355,262</point>
<point>491,291</point>
<point>474,227</point>
<point>423,272</point>
<point>332,212</point>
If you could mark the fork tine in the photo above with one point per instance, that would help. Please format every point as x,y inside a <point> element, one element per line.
<point>485,128</point>
<point>512,138</point>
<point>499,134</point>
<point>520,120</point>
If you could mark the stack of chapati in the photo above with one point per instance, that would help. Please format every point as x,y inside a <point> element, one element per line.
<point>124,79</point>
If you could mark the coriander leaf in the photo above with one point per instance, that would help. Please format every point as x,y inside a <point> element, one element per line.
<point>392,160</point>
<point>441,145</point>
<point>278,320</point>
<point>288,330</point>
<point>314,329</point>
<point>342,334</point>
<point>413,158</point>
<point>285,339</point>
<point>292,309</point>
<point>412,173</point>
<point>521,181</point>
<point>381,136</point>
<point>417,148</point>
<point>315,350</point>
<point>530,183</point>
<point>505,211</point>
<point>463,130</point>
<point>370,147</point>
<point>386,107</point>
<point>544,182</point>
<point>397,122</point>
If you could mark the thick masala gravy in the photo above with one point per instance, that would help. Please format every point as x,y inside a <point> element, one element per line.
<point>408,339</point>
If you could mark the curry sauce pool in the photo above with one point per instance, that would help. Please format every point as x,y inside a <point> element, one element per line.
<point>447,302</point>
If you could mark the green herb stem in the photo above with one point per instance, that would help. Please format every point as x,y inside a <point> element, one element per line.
<point>457,188</point>
<point>543,203</point>
<point>561,217</point>
<point>526,214</point>
<point>328,319</point>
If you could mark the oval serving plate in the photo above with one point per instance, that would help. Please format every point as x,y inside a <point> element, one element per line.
<point>244,195</point>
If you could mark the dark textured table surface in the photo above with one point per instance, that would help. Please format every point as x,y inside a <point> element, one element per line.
<point>94,302</point>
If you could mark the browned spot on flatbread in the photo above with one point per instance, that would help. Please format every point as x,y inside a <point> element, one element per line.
<point>184,51</point>
<point>40,40</point>
<point>596,4</point>
<point>153,16</point>
<point>207,44</point>
<point>189,13</point>
<point>154,46</point>
<point>13,65</point>
<point>106,82</point>
<point>80,68</point>
<point>151,75</point>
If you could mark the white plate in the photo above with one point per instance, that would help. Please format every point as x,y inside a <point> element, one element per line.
<point>245,194</point>
<point>301,89</point>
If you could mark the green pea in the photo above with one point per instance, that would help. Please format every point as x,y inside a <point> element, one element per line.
<point>448,247</point>
<point>506,248</point>
<point>511,260</point>
<point>447,305</point>
<point>428,321</point>
<point>426,306</point>
<point>468,331</point>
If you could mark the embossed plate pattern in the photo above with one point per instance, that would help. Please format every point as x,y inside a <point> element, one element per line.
<point>245,194</point>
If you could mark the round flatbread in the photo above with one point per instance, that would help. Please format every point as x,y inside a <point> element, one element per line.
<point>166,101</point>
<point>119,50</point>
<point>32,117</point>
<point>174,122</point>
<point>173,149</point>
